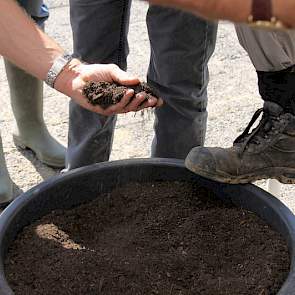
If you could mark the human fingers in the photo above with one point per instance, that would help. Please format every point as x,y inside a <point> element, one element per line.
<point>141,101</point>
<point>121,77</point>
<point>119,108</point>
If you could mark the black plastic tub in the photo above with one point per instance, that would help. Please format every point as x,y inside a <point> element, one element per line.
<point>69,190</point>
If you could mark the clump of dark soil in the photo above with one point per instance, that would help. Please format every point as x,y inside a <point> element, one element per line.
<point>167,238</point>
<point>106,94</point>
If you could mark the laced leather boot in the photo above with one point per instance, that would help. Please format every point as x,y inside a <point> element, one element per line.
<point>267,151</point>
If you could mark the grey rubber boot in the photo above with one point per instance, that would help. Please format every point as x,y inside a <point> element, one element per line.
<point>6,188</point>
<point>26,94</point>
<point>268,151</point>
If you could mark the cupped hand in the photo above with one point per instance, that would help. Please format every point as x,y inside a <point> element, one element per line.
<point>75,76</point>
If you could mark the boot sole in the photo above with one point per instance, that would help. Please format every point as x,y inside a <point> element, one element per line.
<point>20,144</point>
<point>283,175</point>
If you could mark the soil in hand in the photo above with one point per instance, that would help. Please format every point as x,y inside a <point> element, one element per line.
<point>167,238</point>
<point>106,94</point>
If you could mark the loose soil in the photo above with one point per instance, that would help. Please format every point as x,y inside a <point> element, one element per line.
<point>106,94</point>
<point>155,238</point>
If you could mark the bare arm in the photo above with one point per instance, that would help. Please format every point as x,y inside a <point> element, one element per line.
<point>22,42</point>
<point>285,11</point>
<point>233,10</point>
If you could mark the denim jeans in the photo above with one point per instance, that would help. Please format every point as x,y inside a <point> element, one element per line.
<point>181,45</point>
<point>36,9</point>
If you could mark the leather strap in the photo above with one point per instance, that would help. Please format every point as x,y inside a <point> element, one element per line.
<point>261,10</point>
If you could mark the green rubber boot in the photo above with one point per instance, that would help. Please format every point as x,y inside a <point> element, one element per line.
<point>6,191</point>
<point>26,94</point>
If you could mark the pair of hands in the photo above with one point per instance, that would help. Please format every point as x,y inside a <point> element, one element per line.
<point>72,80</point>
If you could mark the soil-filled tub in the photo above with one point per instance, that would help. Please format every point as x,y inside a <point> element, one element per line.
<point>145,227</point>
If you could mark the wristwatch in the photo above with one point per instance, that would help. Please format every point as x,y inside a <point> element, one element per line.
<point>262,17</point>
<point>57,67</point>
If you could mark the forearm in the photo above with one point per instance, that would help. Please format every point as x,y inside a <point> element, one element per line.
<point>228,10</point>
<point>233,10</point>
<point>223,9</point>
<point>29,48</point>
<point>239,10</point>
<point>23,43</point>
<point>284,10</point>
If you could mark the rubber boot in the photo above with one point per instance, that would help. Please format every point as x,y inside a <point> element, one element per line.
<point>26,94</point>
<point>6,188</point>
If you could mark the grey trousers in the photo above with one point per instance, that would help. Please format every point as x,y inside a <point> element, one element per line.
<point>269,51</point>
<point>181,46</point>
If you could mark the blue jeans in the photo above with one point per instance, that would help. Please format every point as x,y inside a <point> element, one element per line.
<point>36,9</point>
<point>181,45</point>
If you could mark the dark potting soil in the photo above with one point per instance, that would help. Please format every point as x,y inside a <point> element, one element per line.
<point>106,94</point>
<point>157,238</point>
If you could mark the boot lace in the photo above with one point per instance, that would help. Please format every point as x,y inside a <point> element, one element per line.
<point>265,130</point>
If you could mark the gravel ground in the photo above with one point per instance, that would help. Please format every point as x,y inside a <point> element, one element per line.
<point>233,98</point>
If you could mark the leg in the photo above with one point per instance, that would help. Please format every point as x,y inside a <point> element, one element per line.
<point>6,191</point>
<point>283,58</point>
<point>273,56</point>
<point>268,51</point>
<point>36,9</point>
<point>267,151</point>
<point>181,45</point>
<point>26,94</point>
<point>100,35</point>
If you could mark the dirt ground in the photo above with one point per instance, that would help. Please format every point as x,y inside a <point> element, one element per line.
<point>233,98</point>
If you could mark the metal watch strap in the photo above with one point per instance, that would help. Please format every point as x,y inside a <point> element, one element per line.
<point>261,10</point>
<point>57,67</point>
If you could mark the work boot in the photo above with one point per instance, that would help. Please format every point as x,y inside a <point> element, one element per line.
<point>26,94</point>
<point>6,188</point>
<point>268,151</point>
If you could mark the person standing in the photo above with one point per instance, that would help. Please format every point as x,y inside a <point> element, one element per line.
<point>181,45</point>
<point>36,53</point>
<point>268,150</point>
<point>26,97</point>
<point>263,153</point>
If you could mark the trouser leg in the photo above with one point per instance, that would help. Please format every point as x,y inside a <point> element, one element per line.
<point>267,150</point>
<point>36,9</point>
<point>181,45</point>
<point>273,56</point>
<point>100,36</point>
<point>6,188</point>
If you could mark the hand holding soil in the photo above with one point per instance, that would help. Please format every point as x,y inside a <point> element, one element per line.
<point>106,94</point>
